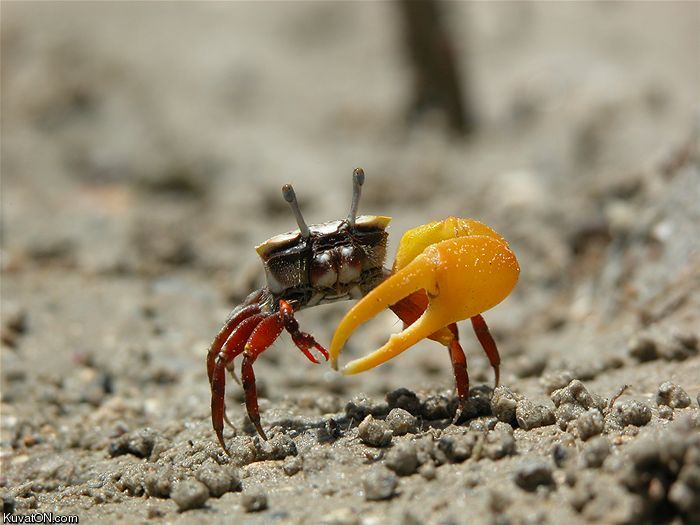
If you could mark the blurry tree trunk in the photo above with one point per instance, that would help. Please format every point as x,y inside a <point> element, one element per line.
<point>437,82</point>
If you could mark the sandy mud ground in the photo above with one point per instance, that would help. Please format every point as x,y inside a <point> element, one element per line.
<point>143,151</point>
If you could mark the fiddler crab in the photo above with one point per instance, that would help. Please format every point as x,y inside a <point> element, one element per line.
<point>444,272</point>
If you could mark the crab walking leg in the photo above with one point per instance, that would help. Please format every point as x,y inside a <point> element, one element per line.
<point>260,340</point>
<point>481,330</point>
<point>459,367</point>
<point>400,285</point>
<point>233,346</point>
<point>230,325</point>
<point>303,340</point>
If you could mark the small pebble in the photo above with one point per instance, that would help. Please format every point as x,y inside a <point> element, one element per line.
<point>595,452</point>
<point>504,403</point>
<point>457,448</point>
<point>292,465</point>
<point>219,479</point>
<point>633,412</point>
<point>359,407</point>
<point>254,501</point>
<point>374,433</point>
<point>139,443</point>
<point>403,459</point>
<point>276,448</point>
<point>438,406</point>
<point>672,395</point>
<point>665,412</point>
<point>529,415</point>
<point>561,454</point>
<point>401,422</point>
<point>533,473</point>
<point>380,484</point>
<point>574,393</point>
<point>189,494</point>
<point>159,484</point>
<point>589,424</point>
<point>404,399</point>
<point>498,445</point>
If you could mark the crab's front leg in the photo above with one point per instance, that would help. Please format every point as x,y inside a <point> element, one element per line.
<point>260,340</point>
<point>444,272</point>
<point>250,332</point>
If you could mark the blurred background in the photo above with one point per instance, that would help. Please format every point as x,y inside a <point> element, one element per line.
<point>144,145</point>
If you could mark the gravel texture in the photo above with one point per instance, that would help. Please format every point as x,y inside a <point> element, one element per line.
<point>144,146</point>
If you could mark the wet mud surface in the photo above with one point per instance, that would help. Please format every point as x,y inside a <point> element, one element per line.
<point>143,151</point>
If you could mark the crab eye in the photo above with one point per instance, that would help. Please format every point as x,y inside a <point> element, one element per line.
<point>323,275</point>
<point>350,266</point>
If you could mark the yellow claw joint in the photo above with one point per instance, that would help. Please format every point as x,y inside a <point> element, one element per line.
<point>464,267</point>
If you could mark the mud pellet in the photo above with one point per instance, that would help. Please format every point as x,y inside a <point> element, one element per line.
<point>438,406</point>
<point>380,484</point>
<point>404,399</point>
<point>529,415</point>
<point>219,479</point>
<point>589,424</point>
<point>498,445</point>
<point>665,412</point>
<point>672,395</point>
<point>359,407</point>
<point>633,413</point>
<point>402,422</point>
<point>561,454</point>
<point>189,494</point>
<point>504,403</point>
<point>403,459</point>
<point>533,473</point>
<point>254,501</point>
<point>456,449</point>
<point>292,465</point>
<point>159,484</point>
<point>374,433</point>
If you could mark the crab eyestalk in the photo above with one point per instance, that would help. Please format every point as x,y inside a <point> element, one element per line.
<point>291,198</point>
<point>464,267</point>
<point>358,179</point>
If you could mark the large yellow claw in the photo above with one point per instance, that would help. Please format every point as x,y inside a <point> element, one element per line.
<point>464,266</point>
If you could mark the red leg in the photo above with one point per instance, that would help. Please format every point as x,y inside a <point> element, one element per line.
<point>303,340</point>
<point>459,367</point>
<point>488,344</point>
<point>233,346</point>
<point>260,340</point>
<point>410,308</point>
<point>225,332</point>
